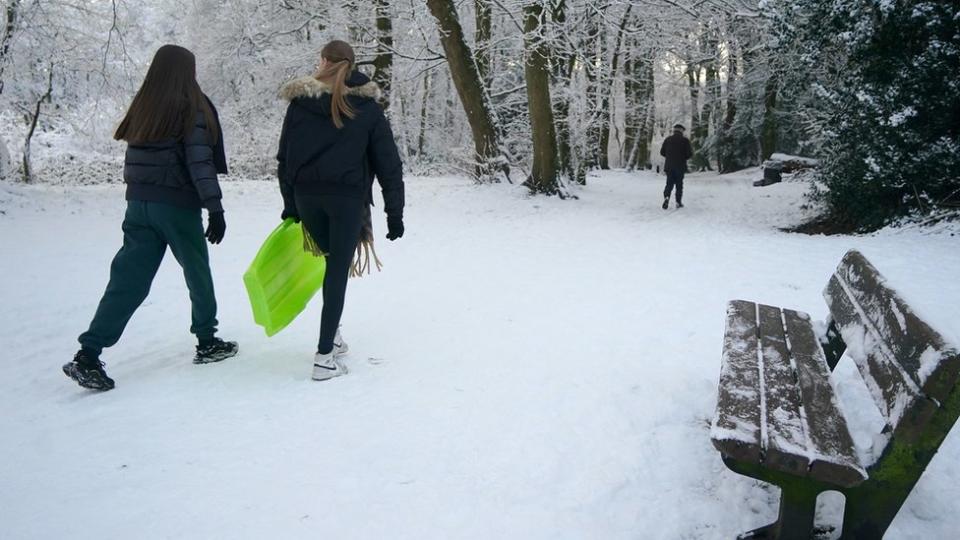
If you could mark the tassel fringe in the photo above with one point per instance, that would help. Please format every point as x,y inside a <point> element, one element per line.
<point>361,262</point>
<point>366,251</point>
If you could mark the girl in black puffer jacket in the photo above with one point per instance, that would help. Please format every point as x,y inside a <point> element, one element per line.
<point>335,139</point>
<point>174,152</point>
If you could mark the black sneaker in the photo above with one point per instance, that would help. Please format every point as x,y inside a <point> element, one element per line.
<point>215,351</point>
<point>88,372</point>
<point>666,203</point>
<point>679,204</point>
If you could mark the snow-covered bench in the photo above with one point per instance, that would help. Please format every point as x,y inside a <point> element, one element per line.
<point>778,418</point>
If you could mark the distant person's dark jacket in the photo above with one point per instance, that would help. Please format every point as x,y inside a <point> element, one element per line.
<point>676,148</point>
<point>316,157</point>
<point>176,171</point>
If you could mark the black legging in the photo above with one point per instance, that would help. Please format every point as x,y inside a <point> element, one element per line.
<point>334,222</point>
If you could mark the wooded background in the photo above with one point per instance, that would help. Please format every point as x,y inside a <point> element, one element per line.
<point>535,91</point>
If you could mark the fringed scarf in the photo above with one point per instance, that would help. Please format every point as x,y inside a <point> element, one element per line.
<point>365,248</point>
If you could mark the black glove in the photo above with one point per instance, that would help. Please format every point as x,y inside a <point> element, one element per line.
<point>394,227</point>
<point>216,227</point>
<point>290,214</point>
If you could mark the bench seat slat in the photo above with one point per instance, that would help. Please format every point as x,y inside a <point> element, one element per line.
<point>833,457</point>
<point>736,426</point>
<point>785,444</point>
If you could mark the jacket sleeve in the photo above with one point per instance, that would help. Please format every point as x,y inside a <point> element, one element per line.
<point>663,148</point>
<point>203,173</point>
<point>387,166</point>
<point>286,184</point>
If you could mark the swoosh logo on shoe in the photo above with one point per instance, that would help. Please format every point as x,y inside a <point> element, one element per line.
<point>334,368</point>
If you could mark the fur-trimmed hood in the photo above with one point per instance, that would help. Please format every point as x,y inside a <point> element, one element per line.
<point>358,85</point>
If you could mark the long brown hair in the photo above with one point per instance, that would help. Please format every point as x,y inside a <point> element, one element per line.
<point>168,101</point>
<point>340,63</point>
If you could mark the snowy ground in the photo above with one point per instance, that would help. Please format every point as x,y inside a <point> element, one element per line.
<point>522,368</point>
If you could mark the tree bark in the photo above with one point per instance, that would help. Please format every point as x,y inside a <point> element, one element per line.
<point>593,59</point>
<point>711,92</point>
<point>693,80</point>
<point>544,175</point>
<point>424,115</point>
<point>725,139</point>
<point>768,135</point>
<point>606,88</point>
<point>9,27</point>
<point>638,92</point>
<point>5,161</point>
<point>563,66</point>
<point>383,63</point>
<point>466,79</point>
<point>27,171</point>
<point>484,17</point>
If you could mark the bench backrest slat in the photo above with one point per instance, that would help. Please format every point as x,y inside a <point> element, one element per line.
<point>902,360</point>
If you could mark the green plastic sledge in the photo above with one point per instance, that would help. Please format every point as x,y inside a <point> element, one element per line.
<point>282,278</point>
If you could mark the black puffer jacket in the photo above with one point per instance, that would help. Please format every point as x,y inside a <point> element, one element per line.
<point>180,172</point>
<point>318,158</point>
<point>676,148</point>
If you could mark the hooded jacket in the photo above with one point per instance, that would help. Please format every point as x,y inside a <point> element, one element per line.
<point>178,171</point>
<point>316,157</point>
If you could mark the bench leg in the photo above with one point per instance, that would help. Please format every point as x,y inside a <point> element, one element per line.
<point>797,511</point>
<point>867,518</point>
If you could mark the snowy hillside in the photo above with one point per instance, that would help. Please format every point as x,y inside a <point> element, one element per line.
<point>522,368</point>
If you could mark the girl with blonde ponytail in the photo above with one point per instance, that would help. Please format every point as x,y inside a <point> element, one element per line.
<point>335,140</point>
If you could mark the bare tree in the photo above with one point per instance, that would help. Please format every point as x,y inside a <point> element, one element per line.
<point>469,85</point>
<point>544,176</point>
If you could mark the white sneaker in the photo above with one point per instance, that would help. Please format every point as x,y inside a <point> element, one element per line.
<point>340,346</point>
<point>327,366</point>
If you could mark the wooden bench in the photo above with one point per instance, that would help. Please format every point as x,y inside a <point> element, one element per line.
<point>778,418</point>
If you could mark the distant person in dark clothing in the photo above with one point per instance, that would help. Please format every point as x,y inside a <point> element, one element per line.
<point>174,153</point>
<point>335,140</point>
<point>677,150</point>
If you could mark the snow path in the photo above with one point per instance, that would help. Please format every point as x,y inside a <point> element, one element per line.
<point>522,368</point>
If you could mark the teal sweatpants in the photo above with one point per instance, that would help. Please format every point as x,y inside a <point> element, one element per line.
<point>148,228</point>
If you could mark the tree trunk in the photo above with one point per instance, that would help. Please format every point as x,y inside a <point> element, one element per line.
<point>768,135</point>
<point>8,29</point>
<point>711,92</point>
<point>5,162</point>
<point>424,115</point>
<point>725,139</point>
<point>484,17</point>
<point>466,79</point>
<point>638,92</point>
<point>383,63</point>
<point>593,60</point>
<point>27,171</point>
<point>606,88</point>
<point>563,66</point>
<point>544,176</point>
<point>693,80</point>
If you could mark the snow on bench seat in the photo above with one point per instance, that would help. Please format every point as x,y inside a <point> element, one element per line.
<point>776,404</point>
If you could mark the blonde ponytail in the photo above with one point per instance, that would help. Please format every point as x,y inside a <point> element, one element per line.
<point>340,60</point>
<point>339,104</point>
